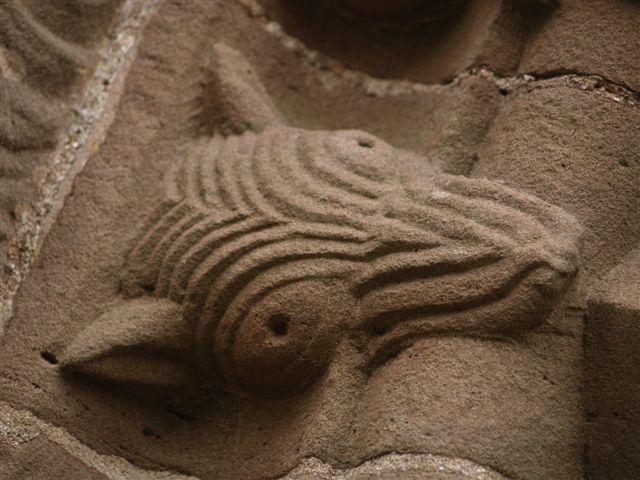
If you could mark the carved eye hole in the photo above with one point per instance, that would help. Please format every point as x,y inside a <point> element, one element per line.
<point>365,143</point>
<point>279,324</point>
<point>284,340</point>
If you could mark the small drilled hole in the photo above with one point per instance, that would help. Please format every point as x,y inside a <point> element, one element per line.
<point>365,143</point>
<point>49,357</point>
<point>279,325</point>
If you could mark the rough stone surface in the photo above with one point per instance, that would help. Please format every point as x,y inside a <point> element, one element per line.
<point>36,450</point>
<point>432,45</point>
<point>36,178</point>
<point>317,242</point>
<point>394,466</point>
<point>47,54</point>
<point>612,349</point>
<point>589,37</point>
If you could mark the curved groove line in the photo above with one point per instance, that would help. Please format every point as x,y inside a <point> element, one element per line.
<point>210,179</point>
<point>394,230</point>
<point>452,226</point>
<point>411,329</point>
<point>264,257</point>
<point>224,153</point>
<point>248,180</point>
<point>370,178</point>
<point>501,195</point>
<point>184,270</point>
<point>186,241</point>
<point>488,211</point>
<point>279,251</point>
<point>216,261</point>
<point>276,195</point>
<point>215,265</point>
<point>286,201</point>
<point>445,291</point>
<point>245,149</point>
<point>309,190</point>
<point>140,253</point>
<point>231,169</point>
<point>172,234</point>
<point>305,185</point>
<point>367,173</point>
<point>325,167</point>
<point>321,183</point>
<point>400,267</point>
<point>387,317</point>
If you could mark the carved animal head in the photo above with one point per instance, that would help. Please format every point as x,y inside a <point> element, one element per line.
<point>276,245</point>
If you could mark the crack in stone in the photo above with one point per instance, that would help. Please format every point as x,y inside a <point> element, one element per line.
<point>332,74</point>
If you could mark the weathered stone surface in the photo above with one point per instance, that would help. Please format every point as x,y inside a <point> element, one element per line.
<point>394,466</point>
<point>279,266</point>
<point>48,137</point>
<point>47,53</point>
<point>590,37</point>
<point>612,356</point>
<point>432,43</point>
<point>573,143</point>
<point>32,449</point>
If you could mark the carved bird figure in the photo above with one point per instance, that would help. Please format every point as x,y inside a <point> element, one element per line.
<point>277,243</point>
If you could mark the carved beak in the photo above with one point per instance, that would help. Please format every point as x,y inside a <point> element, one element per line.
<point>143,341</point>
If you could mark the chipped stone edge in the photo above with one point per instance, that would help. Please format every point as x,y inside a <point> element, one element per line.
<point>422,463</point>
<point>92,116</point>
<point>18,427</point>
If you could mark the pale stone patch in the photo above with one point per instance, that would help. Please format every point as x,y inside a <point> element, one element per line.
<point>18,427</point>
<point>394,465</point>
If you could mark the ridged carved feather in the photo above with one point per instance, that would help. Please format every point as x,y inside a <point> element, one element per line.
<point>421,252</point>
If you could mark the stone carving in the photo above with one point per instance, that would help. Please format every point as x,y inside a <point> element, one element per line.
<point>276,242</point>
<point>290,303</point>
<point>46,46</point>
<point>47,51</point>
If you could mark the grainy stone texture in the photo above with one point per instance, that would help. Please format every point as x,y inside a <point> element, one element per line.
<point>394,466</point>
<point>612,349</point>
<point>47,53</point>
<point>322,243</point>
<point>36,450</point>
<point>36,178</point>
<point>595,37</point>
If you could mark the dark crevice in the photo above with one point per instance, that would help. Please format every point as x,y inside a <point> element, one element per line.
<point>180,414</point>
<point>149,432</point>
<point>49,357</point>
<point>604,81</point>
